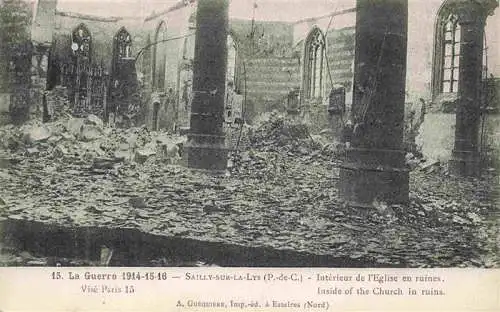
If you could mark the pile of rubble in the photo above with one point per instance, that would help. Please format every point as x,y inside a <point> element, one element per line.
<point>277,130</point>
<point>276,139</point>
<point>278,197</point>
<point>88,141</point>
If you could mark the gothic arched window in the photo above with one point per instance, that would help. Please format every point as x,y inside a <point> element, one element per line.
<point>446,63</point>
<point>450,54</point>
<point>123,44</point>
<point>81,41</point>
<point>160,57</point>
<point>232,54</point>
<point>313,64</point>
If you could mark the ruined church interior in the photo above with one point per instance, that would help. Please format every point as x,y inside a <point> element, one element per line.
<point>252,133</point>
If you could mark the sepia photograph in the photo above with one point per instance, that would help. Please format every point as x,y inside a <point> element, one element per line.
<point>250,133</point>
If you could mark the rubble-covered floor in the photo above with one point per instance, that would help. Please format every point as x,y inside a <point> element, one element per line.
<point>275,196</point>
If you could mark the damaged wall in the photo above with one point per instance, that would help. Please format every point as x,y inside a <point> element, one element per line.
<point>103,55</point>
<point>421,26</point>
<point>268,66</point>
<point>52,36</point>
<point>338,32</point>
<point>166,65</point>
<point>270,62</point>
<point>437,132</point>
<point>103,31</point>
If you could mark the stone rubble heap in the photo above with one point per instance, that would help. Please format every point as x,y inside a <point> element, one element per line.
<point>78,173</point>
<point>87,140</point>
<point>275,138</point>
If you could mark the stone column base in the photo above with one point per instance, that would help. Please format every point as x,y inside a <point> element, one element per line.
<point>210,155</point>
<point>336,125</point>
<point>465,163</point>
<point>381,178</point>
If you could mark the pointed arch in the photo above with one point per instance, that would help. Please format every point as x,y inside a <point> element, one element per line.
<point>232,60</point>
<point>81,39</point>
<point>446,58</point>
<point>159,57</point>
<point>123,44</point>
<point>314,54</point>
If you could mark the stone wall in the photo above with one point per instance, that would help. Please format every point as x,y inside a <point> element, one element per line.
<point>338,65</point>
<point>268,66</point>
<point>438,132</point>
<point>268,81</point>
<point>103,31</point>
<point>339,32</point>
<point>340,55</point>
<point>260,39</point>
<point>440,118</point>
<point>338,71</point>
<point>269,60</point>
<point>174,108</point>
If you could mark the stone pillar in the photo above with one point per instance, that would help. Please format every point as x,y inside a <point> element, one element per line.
<point>471,18</point>
<point>40,66</point>
<point>336,111</point>
<point>374,168</point>
<point>205,148</point>
<point>4,84</point>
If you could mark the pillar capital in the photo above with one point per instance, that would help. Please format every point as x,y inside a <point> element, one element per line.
<point>473,11</point>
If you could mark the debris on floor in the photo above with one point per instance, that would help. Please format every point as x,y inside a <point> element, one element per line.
<point>280,193</point>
